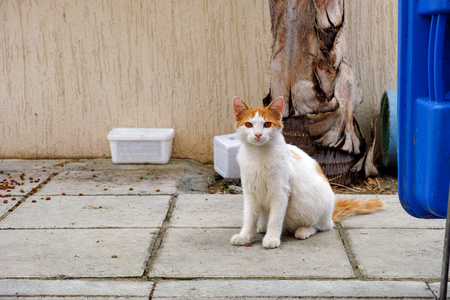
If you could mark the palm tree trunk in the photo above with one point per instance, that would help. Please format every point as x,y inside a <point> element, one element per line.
<point>310,70</point>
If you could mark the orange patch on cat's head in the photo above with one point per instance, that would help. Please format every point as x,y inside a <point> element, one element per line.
<point>271,113</point>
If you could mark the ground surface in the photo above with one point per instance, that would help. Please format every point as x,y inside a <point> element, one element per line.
<point>87,229</point>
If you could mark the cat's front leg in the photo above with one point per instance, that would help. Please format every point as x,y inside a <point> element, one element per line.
<point>251,213</point>
<point>262,223</point>
<point>276,219</point>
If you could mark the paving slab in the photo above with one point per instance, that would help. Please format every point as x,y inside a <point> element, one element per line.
<point>89,212</point>
<point>6,203</point>
<point>205,297</point>
<point>106,164</point>
<point>194,176</point>
<point>77,298</point>
<point>206,210</point>
<point>80,288</point>
<point>7,165</point>
<point>25,165</point>
<point>114,182</point>
<point>207,252</point>
<point>436,289</point>
<point>398,253</point>
<point>74,252</point>
<point>21,185</point>
<point>394,216</point>
<point>291,288</point>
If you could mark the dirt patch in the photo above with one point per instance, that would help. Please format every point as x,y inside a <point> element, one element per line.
<point>383,184</point>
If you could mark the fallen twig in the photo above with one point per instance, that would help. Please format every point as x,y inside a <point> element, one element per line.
<point>335,178</point>
<point>343,186</point>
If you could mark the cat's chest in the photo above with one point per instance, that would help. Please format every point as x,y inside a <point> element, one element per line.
<point>264,178</point>
<point>260,168</point>
<point>258,164</point>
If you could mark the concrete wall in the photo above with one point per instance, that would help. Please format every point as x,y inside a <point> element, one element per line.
<point>71,70</point>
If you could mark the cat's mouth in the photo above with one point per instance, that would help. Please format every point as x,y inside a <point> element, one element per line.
<point>259,141</point>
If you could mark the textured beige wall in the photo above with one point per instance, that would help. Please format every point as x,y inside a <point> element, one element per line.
<point>71,70</point>
<point>372,43</point>
<point>74,69</point>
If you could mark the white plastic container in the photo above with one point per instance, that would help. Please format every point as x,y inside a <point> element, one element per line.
<point>225,152</point>
<point>141,145</point>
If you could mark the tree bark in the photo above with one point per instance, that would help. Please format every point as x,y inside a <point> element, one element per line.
<point>310,70</point>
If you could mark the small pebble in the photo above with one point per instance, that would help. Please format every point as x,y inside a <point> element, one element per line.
<point>233,189</point>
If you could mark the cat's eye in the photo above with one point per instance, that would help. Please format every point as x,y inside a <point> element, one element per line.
<point>267,124</point>
<point>248,125</point>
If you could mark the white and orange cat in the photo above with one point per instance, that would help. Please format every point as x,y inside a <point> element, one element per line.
<point>284,189</point>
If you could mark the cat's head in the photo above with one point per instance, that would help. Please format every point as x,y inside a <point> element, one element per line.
<point>258,125</point>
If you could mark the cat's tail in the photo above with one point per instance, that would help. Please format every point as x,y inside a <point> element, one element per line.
<point>344,207</point>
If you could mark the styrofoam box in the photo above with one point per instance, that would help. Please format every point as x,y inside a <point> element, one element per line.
<point>225,152</point>
<point>141,145</point>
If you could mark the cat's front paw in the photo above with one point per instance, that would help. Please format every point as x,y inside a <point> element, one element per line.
<point>239,240</point>
<point>271,243</point>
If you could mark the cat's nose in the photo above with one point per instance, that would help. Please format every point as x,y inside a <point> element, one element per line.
<point>258,135</point>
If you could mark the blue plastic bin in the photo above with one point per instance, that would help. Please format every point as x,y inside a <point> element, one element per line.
<point>424,107</point>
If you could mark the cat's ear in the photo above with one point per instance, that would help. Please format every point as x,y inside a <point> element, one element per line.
<point>276,107</point>
<point>239,106</point>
